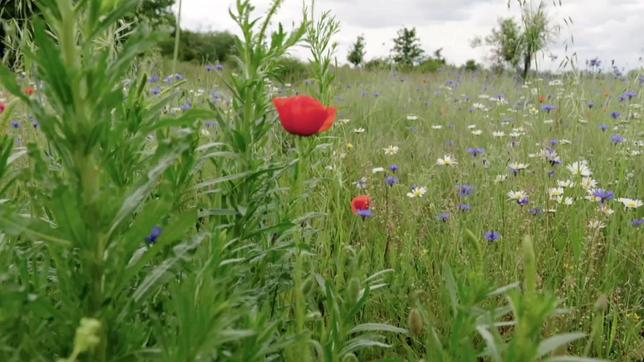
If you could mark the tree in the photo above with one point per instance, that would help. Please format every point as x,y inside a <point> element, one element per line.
<point>407,50</point>
<point>537,33</point>
<point>356,55</point>
<point>518,45</point>
<point>471,65</point>
<point>506,43</point>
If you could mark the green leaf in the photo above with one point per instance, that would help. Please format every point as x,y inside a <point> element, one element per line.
<point>376,327</point>
<point>552,343</point>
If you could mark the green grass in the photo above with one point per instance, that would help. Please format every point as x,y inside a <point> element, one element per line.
<point>259,255</point>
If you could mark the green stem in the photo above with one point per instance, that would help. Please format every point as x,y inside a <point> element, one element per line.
<point>177,36</point>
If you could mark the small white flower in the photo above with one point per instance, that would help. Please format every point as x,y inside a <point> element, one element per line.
<point>568,201</point>
<point>579,168</point>
<point>477,132</point>
<point>391,150</point>
<point>596,224</point>
<point>500,178</point>
<point>418,191</point>
<point>437,126</point>
<point>564,141</point>
<point>498,134</point>
<point>377,170</point>
<point>604,209</point>
<point>517,195</point>
<point>411,117</point>
<point>548,121</point>
<point>447,160</point>
<point>556,193</point>
<point>588,184</point>
<point>344,121</point>
<point>471,126</point>
<point>358,130</point>
<point>630,203</point>
<point>565,183</point>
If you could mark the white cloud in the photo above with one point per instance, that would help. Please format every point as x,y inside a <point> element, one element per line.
<point>608,29</point>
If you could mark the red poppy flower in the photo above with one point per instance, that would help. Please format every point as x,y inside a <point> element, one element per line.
<point>29,91</point>
<point>542,99</point>
<point>362,202</point>
<point>2,107</point>
<point>304,115</point>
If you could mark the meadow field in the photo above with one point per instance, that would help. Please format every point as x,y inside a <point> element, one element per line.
<point>155,211</point>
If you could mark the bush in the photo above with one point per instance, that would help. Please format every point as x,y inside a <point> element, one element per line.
<point>430,65</point>
<point>199,47</point>
<point>471,65</point>
<point>291,69</point>
<point>377,64</point>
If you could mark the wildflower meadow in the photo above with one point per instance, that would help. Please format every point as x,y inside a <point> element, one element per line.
<point>153,209</point>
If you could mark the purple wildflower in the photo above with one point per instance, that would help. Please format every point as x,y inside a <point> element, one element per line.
<point>617,138</point>
<point>464,207</point>
<point>637,222</point>
<point>393,168</point>
<point>465,190</point>
<point>535,211</point>
<point>365,213</point>
<point>522,202</point>
<point>155,91</point>
<point>548,107</point>
<point>475,151</point>
<point>603,127</point>
<point>603,195</point>
<point>615,115</point>
<point>15,124</point>
<point>391,180</point>
<point>154,235</point>
<point>492,235</point>
<point>443,216</point>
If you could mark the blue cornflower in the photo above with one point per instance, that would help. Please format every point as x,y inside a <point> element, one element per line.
<point>548,107</point>
<point>153,79</point>
<point>154,235</point>
<point>475,151</point>
<point>603,195</point>
<point>595,62</point>
<point>393,168</point>
<point>15,124</point>
<point>637,222</point>
<point>536,211</point>
<point>522,202</point>
<point>554,142</point>
<point>615,115</point>
<point>492,235</point>
<point>464,207</point>
<point>391,180</point>
<point>365,213</point>
<point>617,138</point>
<point>186,106</point>
<point>603,127</point>
<point>591,105</point>
<point>443,216</point>
<point>552,173</point>
<point>155,91</point>
<point>465,190</point>
<point>630,95</point>
<point>212,123</point>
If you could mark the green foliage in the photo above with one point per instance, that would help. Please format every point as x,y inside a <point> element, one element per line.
<point>291,70</point>
<point>377,64</point>
<point>471,65</point>
<point>319,39</point>
<point>357,52</point>
<point>210,47</point>
<point>506,43</point>
<point>407,50</point>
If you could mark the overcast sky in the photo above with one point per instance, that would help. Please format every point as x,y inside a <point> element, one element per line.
<point>608,29</point>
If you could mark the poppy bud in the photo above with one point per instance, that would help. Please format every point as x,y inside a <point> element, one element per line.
<point>415,322</point>
<point>304,115</point>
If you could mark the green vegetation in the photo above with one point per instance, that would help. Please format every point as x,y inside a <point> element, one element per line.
<point>154,215</point>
